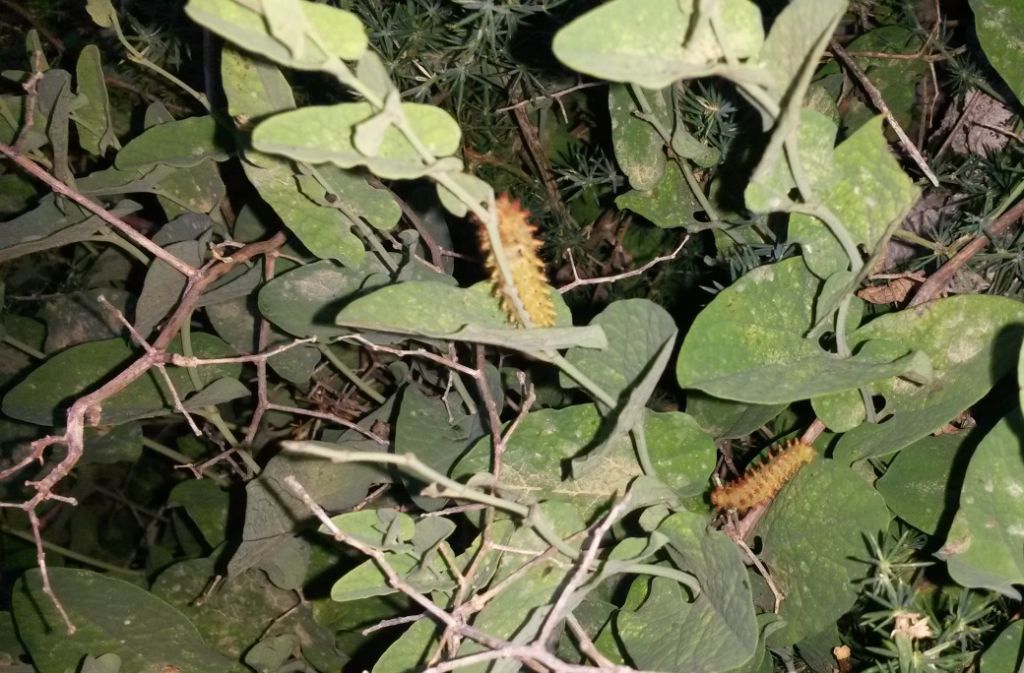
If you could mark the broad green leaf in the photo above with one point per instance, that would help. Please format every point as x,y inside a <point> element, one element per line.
<point>244,610</point>
<point>764,317</point>
<point>972,341</point>
<point>163,285</point>
<point>112,617</point>
<point>113,444</point>
<point>533,459</point>
<point>17,193</point>
<point>922,485</point>
<point>642,41</point>
<point>206,504</point>
<point>796,35</point>
<point>1000,27</point>
<point>1006,651</point>
<point>477,190</point>
<point>639,41</point>
<point>326,232</point>
<point>535,456</point>
<point>108,663</point>
<point>628,370</point>
<point>198,189</point>
<point>272,509</point>
<point>840,411</point>
<point>637,330</point>
<point>367,580</point>
<point>770,186</point>
<point>101,12</point>
<point>235,322</point>
<point>303,302</point>
<point>288,564</point>
<point>682,454</point>
<point>42,397</point>
<point>182,143</point>
<point>516,614</point>
<point>461,314</point>
<point>348,620</point>
<point>378,528</point>
<point>254,87</point>
<point>413,648</point>
<point>985,545</point>
<point>375,205</point>
<point>725,419</point>
<point>50,225</point>
<point>866,189</point>
<point>411,552</point>
<point>92,115</point>
<point>716,631</point>
<point>670,203</point>
<point>813,566</point>
<point>270,653</point>
<point>639,150</point>
<point>427,428</point>
<point>338,31</point>
<point>322,133</point>
<point>54,100</point>
<point>78,317</point>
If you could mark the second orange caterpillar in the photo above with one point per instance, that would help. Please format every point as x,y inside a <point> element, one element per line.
<point>760,483</point>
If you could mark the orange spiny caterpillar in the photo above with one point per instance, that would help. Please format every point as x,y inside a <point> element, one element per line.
<point>760,483</point>
<point>520,244</point>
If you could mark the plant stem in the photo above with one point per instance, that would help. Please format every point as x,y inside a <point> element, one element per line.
<point>73,555</point>
<point>347,372</point>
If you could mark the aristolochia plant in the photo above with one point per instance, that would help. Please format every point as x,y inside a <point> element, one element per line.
<point>495,485</point>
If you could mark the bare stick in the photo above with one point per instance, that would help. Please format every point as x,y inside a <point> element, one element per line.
<point>417,352</point>
<point>579,282</point>
<point>879,102</point>
<point>139,339</point>
<point>324,416</point>
<point>87,410</point>
<point>939,281</point>
<point>550,96</point>
<point>263,356</point>
<point>29,104</point>
<point>562,605</point>
<point>114,221</point>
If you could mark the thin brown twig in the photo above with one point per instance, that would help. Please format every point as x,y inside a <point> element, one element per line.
<point>939,281</point>
<point>927,58</point>
<point>87,410</point>
<point>879,102</point>
<point>114,221</point>
<point>562,606</point>
<point>179,360</point>
<point>417,352</point>
<point>262,339</point>
<point>580,282</point>
<point>29,104</point>
<point>332,418</point>
<point>158,364</point>
<point>436,254</point>
<point>539,157</point>
<point>972,99</point>
<point>550,96</point>
<point>47,34</point>
<point>529,655</point>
